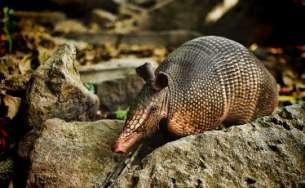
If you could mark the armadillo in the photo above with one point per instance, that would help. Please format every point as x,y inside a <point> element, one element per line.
<point>205,82</point>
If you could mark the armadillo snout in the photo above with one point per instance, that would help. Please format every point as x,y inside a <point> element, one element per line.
<point>118,148</point>
<point>125,142</point>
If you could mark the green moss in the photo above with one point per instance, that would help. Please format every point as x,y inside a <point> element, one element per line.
<point>9,26</point>
<point>121,114</point>
<point>91,87</point>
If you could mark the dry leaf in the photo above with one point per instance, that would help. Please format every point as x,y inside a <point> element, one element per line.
<point>44,54</point>
<point>12,104</point>
<point>288,78</point>
<point>291,99</point>
<point>112,50</point>
<point>160,54</point>
<point>274,50</point>
<point>25,64</point>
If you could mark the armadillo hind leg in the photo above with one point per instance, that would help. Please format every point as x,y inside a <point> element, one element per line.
<point>268,99</point>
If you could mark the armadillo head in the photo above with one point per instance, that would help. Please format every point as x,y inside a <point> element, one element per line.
<point>145,113</point>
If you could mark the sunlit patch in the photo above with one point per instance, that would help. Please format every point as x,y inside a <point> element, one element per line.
<point>217,12</point>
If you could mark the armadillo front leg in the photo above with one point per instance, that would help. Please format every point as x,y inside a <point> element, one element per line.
<point>180,124</point>
<point>202,110</point>
<point>183,124</point>
<point>191,120</point>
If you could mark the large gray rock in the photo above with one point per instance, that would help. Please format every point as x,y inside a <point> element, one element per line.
<point>116,81</point>
<point>269,152</point>
<point>55,90</point>
<point>74,154</point>
<point>118,94</point>
<point>113,69</point>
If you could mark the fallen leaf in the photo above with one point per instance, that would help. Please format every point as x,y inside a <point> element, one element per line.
<point>12,104</point>
<point>290,99</point>
<point>160,54</point>
<point>25,64</point>
<point>253,47</point>
<point>44,54</point>
<point>274,50</point>
<point>288,78</point>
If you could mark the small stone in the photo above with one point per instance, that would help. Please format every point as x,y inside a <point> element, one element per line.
<point>70,26</point>
<point>103,18</point>
<point>12,103</point>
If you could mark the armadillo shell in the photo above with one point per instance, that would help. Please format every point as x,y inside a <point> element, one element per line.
<point>215,80</point>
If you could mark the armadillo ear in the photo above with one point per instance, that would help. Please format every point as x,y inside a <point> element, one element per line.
<point>161,81</point>
<point>146,71</point>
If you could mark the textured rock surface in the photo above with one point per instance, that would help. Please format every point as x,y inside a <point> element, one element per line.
<point>113,69</point>
<point>74,154</point>
<point>270,152</point>
<point>56,91</point>
<point>117,93</point>
<point>116,81</point>
<point>25,145</point>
